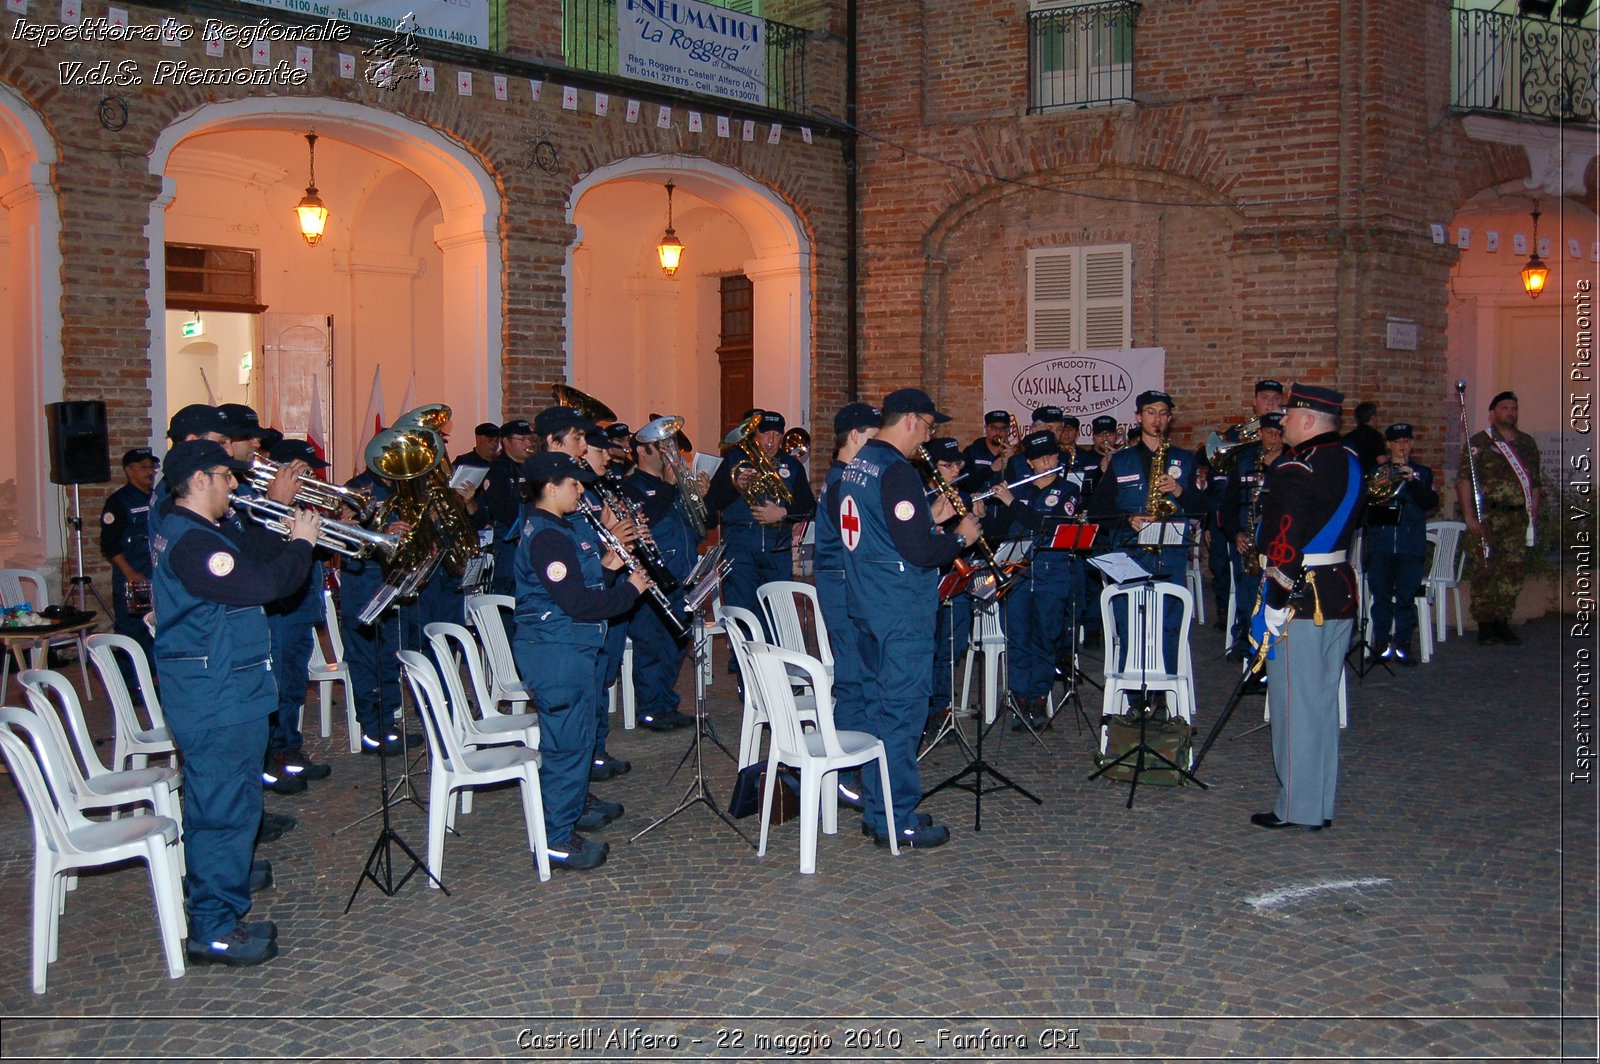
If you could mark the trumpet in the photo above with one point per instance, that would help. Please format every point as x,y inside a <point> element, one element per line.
<point>329,499</point>
<point>658,598</point>
<point>341,537</point>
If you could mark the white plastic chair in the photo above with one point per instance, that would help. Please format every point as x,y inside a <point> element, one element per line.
<point>455,767</point>
<point>454,646</point>
<point>988,642</point>
<point>1140,662</point>
<point>327,674</point>
<point>93,785</point>
<point>505,685</point>
<point>134,742</point>
<point>818,754</point>
<point>27,585</point>
<point>743,629</point>
<point>780,603</point>
<point>1443,579</point>
<point>1193,573</point>
<point>622,692</point>
<point>65,841</point>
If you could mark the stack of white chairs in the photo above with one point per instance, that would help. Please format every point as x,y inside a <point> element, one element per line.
<point>135,741</point>
<point>1137,661</point>
<point>65,842</point>
<point>988,642</point>
<point>505,685</point>
<point>1442,581</point>
<point>743,630</point>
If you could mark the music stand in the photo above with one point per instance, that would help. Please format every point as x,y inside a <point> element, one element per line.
<point>404,790</point>
<point>697,599</point>
<point>951,725</point>
<point>1365,661</point>
<point>1074,534</point>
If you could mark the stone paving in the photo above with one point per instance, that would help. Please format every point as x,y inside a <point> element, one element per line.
<point>1079,929</point>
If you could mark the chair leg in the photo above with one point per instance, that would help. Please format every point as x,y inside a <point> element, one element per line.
<point>888,802</point>
<point>45,877</point>
<point>810,813</point>
<point>439,796</point>
<point>352,726</point>
<point>169,905</point>
<point>766,805</point>
<point>533,810</point>
<point>630,697</point>
<point>830,803</point>
<point>325,699</point>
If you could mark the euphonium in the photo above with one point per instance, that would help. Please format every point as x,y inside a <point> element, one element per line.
<point>587,405</point>
<point>1223,453</point>
<point>766,485</point>
<point>457,538</point>
<point>797,443</point>
<point>663,432</point>
<point>1158,503</point>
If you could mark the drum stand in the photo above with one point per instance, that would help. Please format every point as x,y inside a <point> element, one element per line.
<point>698,793</point>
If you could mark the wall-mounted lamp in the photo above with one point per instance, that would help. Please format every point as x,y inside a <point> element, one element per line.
<point>1535,273</point>
<point>670,250</point>
<point>312,212</point>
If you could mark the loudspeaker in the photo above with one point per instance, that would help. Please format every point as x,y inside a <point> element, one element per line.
<point>80,447</point>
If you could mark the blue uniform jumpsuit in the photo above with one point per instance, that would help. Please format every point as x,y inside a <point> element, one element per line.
<point>759,554</point>
<point>1396,545</point>
<point>657,653</point>
<point>369,649</point>
<point>563,603</point>
<point>1234,517</point>
<point>1123,492</point>
<point>891,566</point>
<point>1043,604</point>
<point>849,703</point>
<point>125,530</point>
<point>502,497</point>
<point>213,657</point>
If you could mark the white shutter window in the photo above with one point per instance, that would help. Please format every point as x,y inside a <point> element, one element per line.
<point>1080,299</point>
<point>748,7</point>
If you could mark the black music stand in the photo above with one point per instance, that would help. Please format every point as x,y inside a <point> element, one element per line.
<point>1366,661</point>
<point>1072,534</point>
<point>699,793</point>
<point>951,724</point>
<point>404,789</point>
<point>1142,754</point>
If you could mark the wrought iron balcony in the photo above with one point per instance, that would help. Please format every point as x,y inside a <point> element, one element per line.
<point>1080,54</point>
<point>1525,67</point>
<point>589,42</point>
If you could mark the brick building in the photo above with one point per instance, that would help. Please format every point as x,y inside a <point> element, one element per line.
<point>1249,187</point>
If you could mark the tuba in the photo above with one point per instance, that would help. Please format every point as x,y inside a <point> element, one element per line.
<point>457,538</point>
<point>405,457</point>
<point>591,408</point>
<point>766,484</point>
<point>664,432</point>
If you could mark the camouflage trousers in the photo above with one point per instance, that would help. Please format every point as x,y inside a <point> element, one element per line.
<point>1496,583</point>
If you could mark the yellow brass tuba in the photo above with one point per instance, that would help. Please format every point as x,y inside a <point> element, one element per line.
<point>765,485</point>
<point>587,405</point>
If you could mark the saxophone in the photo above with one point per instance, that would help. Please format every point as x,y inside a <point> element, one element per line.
<point>1157,503</point>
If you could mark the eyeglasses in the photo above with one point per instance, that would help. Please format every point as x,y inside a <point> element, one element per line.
<point>230,474</point>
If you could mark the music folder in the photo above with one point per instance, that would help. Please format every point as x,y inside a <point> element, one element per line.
<point>1067,533</point>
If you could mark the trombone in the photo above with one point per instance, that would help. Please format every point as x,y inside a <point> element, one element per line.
<point>329,499</point>
<point>341,537</point>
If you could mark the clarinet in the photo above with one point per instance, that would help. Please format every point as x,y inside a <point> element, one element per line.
<point>948,490</point>
<point>646,551</point>
<point>658,599</point>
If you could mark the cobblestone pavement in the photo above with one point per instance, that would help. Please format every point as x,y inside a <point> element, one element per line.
<point>1450,912</point>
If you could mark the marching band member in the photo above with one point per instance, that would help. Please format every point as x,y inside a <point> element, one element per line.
<point>988,454</point>
<point>1396,544</point>
<point>758,540</point>
<point>125,543</point>
<point>1507,464</point>
<point>1041,606</point>
<point>1051,419</point>
<point>893,550</point>
<point>954,628</point>
<point>564,602</point>
<point>501,494</point>
<point>485,446</point>
<point>1312,505</point>
<point>1237,518</point>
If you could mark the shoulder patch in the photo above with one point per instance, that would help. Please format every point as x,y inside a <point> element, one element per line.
<point>904,510</point>
<point>107,518</point>
<point>785,472</point>
<point>555,572</point>
<point>220,563</point>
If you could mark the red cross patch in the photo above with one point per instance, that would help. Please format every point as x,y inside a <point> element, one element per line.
<point>850,522</point>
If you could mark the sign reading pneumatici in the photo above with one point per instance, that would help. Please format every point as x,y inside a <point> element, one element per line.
<point>693,46</point>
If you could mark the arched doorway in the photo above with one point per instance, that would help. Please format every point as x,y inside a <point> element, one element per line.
<point>30,336</point>
<point>406,282</point>
<point>642,342</point>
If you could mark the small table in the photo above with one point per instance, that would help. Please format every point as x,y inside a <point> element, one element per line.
<point>37,641</point>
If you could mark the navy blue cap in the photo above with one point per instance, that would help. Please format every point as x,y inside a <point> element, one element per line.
<point>241,421</point>
<point>1152,396</point>
<point>618,432</point>
<point>1273,420</point>
<point>139,454</point>
<point>1071,422</point>
<point>297,451</point>
<point>554,419</point>
<point>516,427</point>
<point>196,419</point>
<point>489,429</point>
<point>556,465</point>
<point>1051,414</point>
<point>191,456</point>
<point>1315,397</point>
<point>997,417</point>
<point>1103,423</point>
<point>771,421</point>
<point>270,438</point>
<point>1400,430</point>
<point>946,449</point>
<point>1270,386</point>
<point>853,416</point>
<point>911,401</point>
<point>1041,444</point>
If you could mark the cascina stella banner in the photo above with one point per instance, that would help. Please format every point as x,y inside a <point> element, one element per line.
<point>1085,384</point>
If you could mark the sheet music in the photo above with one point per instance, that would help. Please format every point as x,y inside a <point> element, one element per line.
<point>468,476</point>
<point>706,463</point>
<point>1162,534</point>
<point>1119,567</point>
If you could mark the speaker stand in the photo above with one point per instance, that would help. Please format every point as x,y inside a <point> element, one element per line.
<point>79,582</point>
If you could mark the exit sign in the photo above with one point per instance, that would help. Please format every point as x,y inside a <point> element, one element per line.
<point>193,328</point>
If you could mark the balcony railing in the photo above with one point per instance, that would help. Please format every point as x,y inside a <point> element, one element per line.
<point>589,42</point>
<point>1080,54</point>
<point>1525,67</point>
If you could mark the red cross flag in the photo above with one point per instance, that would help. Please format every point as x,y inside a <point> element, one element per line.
<point>850,522</point>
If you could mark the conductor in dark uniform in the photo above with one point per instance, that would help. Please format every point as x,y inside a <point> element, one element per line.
<point>1314,498</point>
<point>125,543</point>
<point>893,551</point>
<point>213,656</point>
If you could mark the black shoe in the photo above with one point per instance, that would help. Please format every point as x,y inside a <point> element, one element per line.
<point>1487,634</point>
<point>274,826</point>
<point>1378,652</point>
<point>1401,655</point>
<point>850,793</point>
<point>604,767</point>
<point>260,876</point>
<point>391,745</point>
<point>921,820</point>
<point>297,763</point>
<point>672,720</point>
<point>238,948</point>
<point>1270,820</point>
<point>579,854</point>
<point>1217,624</point>
<point>597,813</point>
<point>920,837</point>
<point>261,929</point>
<point>1502,630</point>
<point>279,780</point>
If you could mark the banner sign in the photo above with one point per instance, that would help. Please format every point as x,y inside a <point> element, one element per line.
<point>1084,384</point>
<point>462,22</point>
<point>693,46</point>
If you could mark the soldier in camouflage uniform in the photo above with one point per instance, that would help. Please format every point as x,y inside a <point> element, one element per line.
<point>1510,507</point>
